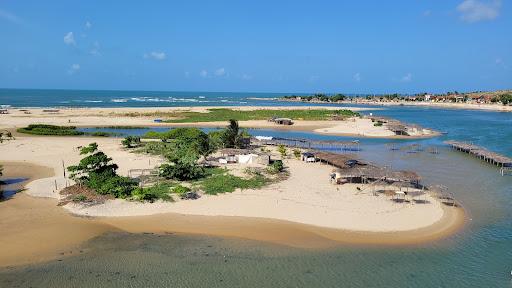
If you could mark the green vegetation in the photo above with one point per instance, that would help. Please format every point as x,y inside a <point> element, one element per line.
<point>233,136</point>
<point>296,153</point>
<point>225,183</point>
<point>319,97</point>
<point>45,129</point>
<point>131,142</point>
<point>96,171</point>
<point>54,130</point>
<point>505,99</point>
<point>282,150</point>
<point>155,148</point>
<point>275,167</point>
<point>158,191</point>
<point>181,190</point>
<point>223,114</point>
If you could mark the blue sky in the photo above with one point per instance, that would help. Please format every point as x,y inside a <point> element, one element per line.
<point>268,46</point>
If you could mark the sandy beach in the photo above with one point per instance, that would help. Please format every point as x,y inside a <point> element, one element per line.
<point>144,117</point>
<point>306,209</point>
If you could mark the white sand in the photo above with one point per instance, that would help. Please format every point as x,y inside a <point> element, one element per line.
<point>357,126</point>
<point>306,197</point>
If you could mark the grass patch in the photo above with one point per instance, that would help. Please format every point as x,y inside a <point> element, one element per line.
<point>224,114</point>
<point>226,183</point>
<point>158,191</point>
<point>54,130</point>
<point>45,129</point>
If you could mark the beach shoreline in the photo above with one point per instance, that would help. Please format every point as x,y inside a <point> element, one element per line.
<point>279,232</point>
<point>281,223</point>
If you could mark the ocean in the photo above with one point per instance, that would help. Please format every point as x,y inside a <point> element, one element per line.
<point>478,256</point>
<point>111,98</point>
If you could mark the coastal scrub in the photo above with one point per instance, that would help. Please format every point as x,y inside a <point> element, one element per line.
<point>224,114</point>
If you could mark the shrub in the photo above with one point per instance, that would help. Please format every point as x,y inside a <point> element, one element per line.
<point>131,141</point>
<point>180,190</point>
<point>159,191</point>
<point>275,167</point>
<point>296,153</point>
<point>282,150</point>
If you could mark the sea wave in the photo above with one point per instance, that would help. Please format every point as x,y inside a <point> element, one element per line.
<point>119,100</point>
<point>169,99</point>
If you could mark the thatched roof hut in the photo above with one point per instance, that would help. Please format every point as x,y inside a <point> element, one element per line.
<point>342,161</point>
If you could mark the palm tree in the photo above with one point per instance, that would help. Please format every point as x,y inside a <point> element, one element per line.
<point>231,137</point>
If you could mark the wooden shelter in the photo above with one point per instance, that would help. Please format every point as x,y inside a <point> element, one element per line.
<point>283,121</point>
<point>481,153</point>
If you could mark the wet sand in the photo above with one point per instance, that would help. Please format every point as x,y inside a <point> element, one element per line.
<point>36,229</point>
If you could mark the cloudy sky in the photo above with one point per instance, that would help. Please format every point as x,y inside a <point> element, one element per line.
<point>268,46</point>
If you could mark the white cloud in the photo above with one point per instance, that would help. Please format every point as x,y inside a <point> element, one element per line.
<point>155,55</point>
<point>499,62</point>
<point>69,39</point>
<point>203,73</point>
<point>246,77</point>
<point>9,17</point>
<point>74,69</point>
<point>357,77</point>
<point>95,50</point>
<point>475,10</point>
<point>220,72</point>
<point>406,78</point>
<point>88,25</point>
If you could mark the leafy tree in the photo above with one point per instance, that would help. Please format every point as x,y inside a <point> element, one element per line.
<point>95,162</point>
<point>215,139</point>
<point>338,97</point>
<point>183,163</point>
<point>194,136</point>
<point>97,172</point>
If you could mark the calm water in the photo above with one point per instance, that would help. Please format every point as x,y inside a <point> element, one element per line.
<point>478,256</point>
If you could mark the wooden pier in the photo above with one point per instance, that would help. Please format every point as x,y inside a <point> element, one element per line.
<point>482,153</point>
<point>353,146</point>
